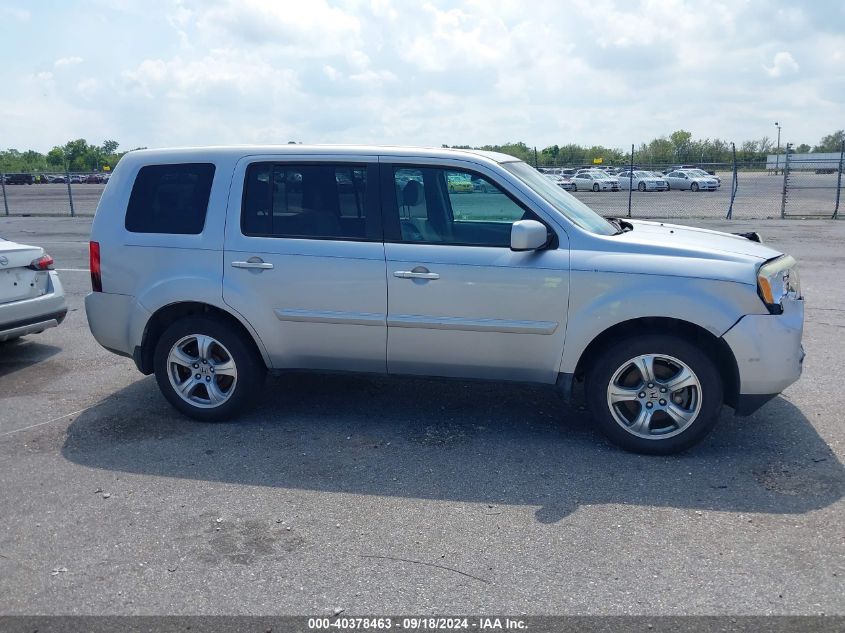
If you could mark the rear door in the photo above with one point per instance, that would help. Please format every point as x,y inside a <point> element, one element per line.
<point>304,260</point>
<point>460,302</point>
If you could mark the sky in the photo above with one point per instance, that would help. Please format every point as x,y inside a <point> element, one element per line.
<point>593,72</point>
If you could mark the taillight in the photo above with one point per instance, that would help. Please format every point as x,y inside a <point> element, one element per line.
<point>45,262</point>
<point>94,266</point>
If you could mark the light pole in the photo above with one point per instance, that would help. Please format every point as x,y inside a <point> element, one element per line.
<point>777,151</point>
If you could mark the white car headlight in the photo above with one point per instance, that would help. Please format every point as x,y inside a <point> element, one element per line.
<point>778,279</point>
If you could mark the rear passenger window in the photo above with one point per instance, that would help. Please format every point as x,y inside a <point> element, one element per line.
<point>170,199</point>
<point>308,201</point>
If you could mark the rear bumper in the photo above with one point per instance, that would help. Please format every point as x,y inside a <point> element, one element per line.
<point>768,353</point>
<point>116,321</point>
<point>30,316</point>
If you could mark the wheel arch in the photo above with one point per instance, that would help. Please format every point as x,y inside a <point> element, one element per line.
<point>715,347</point>
<point>165,315</point>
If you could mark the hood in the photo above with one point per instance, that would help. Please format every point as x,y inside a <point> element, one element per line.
<point>696,242</point>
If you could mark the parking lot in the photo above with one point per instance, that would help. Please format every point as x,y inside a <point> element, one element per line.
<point>759,196</point>
<point>399,495</point>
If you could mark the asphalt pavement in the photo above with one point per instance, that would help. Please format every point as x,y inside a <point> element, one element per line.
<point>401,495</point>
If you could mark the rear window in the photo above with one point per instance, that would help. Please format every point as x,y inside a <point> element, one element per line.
<point>170,199</point>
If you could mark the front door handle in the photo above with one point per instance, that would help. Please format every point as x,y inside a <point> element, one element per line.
<point>254,263</point>
<point>420,272</point>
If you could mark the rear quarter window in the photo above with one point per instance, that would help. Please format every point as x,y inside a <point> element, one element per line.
<point>170,199</point>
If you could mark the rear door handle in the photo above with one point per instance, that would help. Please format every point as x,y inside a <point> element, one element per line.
<point>417,273</point>
<point>253,262</point>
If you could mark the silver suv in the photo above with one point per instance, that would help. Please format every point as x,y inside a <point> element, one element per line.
<point>211,266</point>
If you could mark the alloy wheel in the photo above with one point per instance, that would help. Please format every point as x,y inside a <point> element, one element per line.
<point>202,371</point>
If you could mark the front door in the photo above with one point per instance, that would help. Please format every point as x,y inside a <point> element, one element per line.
<point>460,302</point>
<point>304,261</point>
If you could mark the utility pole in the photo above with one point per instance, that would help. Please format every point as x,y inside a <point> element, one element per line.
<point>777,151</point>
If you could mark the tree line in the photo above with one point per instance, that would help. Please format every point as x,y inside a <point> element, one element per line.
<point>678,147</point>
<point>75,155</point>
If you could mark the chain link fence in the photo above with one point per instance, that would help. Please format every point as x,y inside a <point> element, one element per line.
<point>789,187</point>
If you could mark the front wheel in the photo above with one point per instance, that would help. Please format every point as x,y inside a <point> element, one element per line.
<point>574,187</point>
<point>654,394</point>
<point>206,369</point>
<point>595,188</point>
<point>694,187</point>
<point>641,186</point>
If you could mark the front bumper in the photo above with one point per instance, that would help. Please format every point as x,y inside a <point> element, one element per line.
<point>768,353</point>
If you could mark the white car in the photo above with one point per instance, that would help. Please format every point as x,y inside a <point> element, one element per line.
<point>594,180</point>
<point>688,179</point>
<point>643,181</point>
<point>31,295</point>
<point>704,174</point>
<point>564,182</point>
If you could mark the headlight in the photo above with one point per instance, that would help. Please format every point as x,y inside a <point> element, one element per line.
<point>776,280</point>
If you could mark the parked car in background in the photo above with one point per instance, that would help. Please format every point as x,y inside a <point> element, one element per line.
<point>58,179</point>
<point>31,295</point>
<point>19,179</point>
<point>594,180</point>
<point>564,182</point>
<point>642,181</point>
<point>459,183</point>
<point>75,179</point>
<point>705,174</point>
<point>93,179</point>
<point>684,179</point>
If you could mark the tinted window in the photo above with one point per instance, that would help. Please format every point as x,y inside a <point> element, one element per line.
<point>170,198</point>
<point>446,206</point>
<point>311,201</point>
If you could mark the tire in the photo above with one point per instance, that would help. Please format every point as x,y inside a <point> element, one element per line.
<point>694,187</point>
<point>574,187</point>
<point>595,188</point>
<point>668,187</point>
<point>641,186</point>
<point>628,423</point>
<point>239,376</point>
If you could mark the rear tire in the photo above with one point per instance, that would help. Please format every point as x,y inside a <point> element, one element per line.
<point>647,415</point>
<point>207,369</point>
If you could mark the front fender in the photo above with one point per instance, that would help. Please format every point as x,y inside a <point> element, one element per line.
<point>601,300</point>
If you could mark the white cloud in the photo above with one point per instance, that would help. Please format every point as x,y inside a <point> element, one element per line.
<point>782,64</point>
<point>609,72</point>
<point>67,61</point>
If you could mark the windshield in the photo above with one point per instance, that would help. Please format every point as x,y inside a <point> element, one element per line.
<point>565,203</point>
<point>643,174</point>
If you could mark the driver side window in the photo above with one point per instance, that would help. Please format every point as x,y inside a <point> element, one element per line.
<point>449,206</point>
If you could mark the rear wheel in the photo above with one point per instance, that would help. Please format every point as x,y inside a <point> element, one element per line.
<point>655,394</point>
<point>206,369</point>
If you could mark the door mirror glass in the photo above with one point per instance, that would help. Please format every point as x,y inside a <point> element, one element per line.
<point>528,235</point>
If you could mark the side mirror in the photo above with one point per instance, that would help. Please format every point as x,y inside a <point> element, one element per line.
<point>528,235</point>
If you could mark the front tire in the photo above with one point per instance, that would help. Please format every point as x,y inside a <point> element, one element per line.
<point>207,369</point>
<point>574,187</point>
<point>641,186</point>
<point>595,188</point>
<point>655,394</point>
<point>694,187</point>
